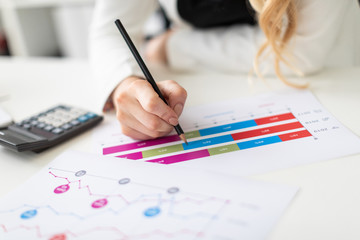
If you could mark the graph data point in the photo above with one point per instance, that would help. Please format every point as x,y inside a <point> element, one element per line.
<point>100,203</point>
<point>62,189</point>
<point>29,214</point>
<point>60,236</point>
<point>173,190</point>
<point>80,173</point>
<point>152,212</point>
<point>124,181</point>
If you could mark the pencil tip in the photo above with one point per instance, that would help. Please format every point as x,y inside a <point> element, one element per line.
<point>182,136</point>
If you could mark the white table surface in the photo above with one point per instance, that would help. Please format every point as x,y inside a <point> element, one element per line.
<point>328,203</point>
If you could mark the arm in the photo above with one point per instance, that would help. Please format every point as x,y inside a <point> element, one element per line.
<point>110,58</point>
<point>233,49</point>
<point>139,109</point>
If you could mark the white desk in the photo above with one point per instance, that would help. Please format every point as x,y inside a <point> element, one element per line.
<point>328,204</point>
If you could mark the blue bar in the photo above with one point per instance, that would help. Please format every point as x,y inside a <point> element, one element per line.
<point>227,127</point>
<point>259,142</point>
<point>208,142</point>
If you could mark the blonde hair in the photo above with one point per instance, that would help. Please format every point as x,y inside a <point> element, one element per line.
<point>278,21</point>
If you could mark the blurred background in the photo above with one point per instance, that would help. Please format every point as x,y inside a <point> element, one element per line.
<point>59,28</point>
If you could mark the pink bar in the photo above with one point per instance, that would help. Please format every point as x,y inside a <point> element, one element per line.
<point>142,144</point>
<point>181,157</point>
<point>132,156</point>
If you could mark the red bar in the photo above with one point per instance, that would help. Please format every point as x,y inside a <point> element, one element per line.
<point>276,118</point>
<point>265,131</point>
<point>295,135</point>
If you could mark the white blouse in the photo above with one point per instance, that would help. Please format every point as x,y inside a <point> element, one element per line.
<point>327,35</point>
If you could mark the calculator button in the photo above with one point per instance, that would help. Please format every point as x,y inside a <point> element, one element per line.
<point>90,115</point>
<point>58,114</point>
<point>26,126</point>
<point>67,117</point>
<point>56,124</point>
<point>74,115</point>
<point>48,128</point>
<point>57,131</point>
<point>47,121</point>
<point>77,112</point>
<point>27,120</point>
<point>42,119</point>
<point>59,121</point>
<point>24,122</point>
<point>41,125</point>
<point>74,122</point>
<point>83,118</point>
<point>66,126</point>
<point>34,122</point>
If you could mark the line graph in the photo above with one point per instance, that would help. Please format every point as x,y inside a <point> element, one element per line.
<point>155,202</point>
<point>82,196</point>
<point>159,199</point>
<point>64,188</point>
<point>171,190</point>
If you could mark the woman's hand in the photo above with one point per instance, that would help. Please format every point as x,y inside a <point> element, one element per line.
<point>142,113</point>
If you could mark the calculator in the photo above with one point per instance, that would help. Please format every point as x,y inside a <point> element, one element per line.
<point>47,128</point>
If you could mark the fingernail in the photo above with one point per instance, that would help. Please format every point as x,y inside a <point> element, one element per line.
<point>178,108</point>
<point>173,121</point>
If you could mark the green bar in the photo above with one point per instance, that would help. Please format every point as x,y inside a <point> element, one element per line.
<point>223,149</point>
<point>162,150</point>
<point>192,134</point>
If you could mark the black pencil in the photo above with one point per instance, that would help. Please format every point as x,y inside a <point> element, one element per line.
<point>146,71</point>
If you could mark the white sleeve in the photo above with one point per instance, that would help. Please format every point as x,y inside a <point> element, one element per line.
<point>110,58</point>
<point>232,49</point>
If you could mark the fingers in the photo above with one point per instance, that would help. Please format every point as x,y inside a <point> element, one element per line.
<point>135,117</point>
<point>136,131</point>
<point>153,104</point>
<point>142,113</point>
<point>174,94</point>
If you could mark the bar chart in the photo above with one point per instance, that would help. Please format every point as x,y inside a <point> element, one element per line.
<point>204,138</point>
<point>244,136</point>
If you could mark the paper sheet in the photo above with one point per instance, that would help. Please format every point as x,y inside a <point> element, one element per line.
<point>243,136</point>
<point>83,196</point>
